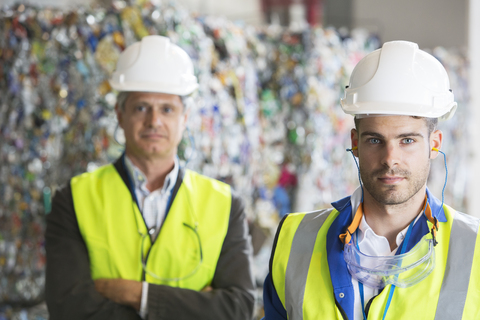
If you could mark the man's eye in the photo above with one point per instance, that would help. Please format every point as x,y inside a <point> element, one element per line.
<point>167,109</point>
<point>374,141</point>
<point>140,108</point>
<point>408,140</point>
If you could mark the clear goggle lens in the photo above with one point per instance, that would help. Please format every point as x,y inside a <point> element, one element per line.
<point>402,270</point>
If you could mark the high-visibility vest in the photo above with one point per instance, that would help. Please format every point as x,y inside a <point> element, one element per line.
<point>301,274</point>
<point>113,230</point>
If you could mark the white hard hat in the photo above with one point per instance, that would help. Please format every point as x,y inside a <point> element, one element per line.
<point>399,79</point>
<point>154,65</point>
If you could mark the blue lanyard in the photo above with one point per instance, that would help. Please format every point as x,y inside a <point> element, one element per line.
<point>392,289</point>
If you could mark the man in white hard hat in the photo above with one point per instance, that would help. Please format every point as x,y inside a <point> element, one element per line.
<point>391,250</point>
<point>144,237</point>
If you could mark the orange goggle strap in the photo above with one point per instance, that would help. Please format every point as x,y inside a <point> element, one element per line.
<point>433,220</point>
<point>347,236</point>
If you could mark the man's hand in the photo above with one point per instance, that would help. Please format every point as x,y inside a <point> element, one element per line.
<point>207,289</point>
<point>126,292</point>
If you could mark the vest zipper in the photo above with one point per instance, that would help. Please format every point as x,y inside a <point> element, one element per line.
<point>146,257</point>
<point>344,315</point>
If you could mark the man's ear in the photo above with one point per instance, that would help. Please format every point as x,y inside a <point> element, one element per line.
<point>436,138</point>
<point>354,139</point>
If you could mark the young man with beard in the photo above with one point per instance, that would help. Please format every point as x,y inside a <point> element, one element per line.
<point>391,250</point>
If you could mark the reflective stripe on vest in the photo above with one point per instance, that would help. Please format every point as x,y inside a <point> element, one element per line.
<point>112,228</point>
<point>457,275</point>
<point>451,294</point>
<point>300,256</point>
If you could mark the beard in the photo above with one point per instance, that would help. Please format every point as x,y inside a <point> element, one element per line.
<point>394,194</point>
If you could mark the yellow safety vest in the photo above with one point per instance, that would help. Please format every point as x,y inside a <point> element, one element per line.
<point>301,275</point>
<point>113,228</point>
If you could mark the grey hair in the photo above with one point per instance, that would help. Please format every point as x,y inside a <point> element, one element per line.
<point>121,99</point>
<point>122,96</point>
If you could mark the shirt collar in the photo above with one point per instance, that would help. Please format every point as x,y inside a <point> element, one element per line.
<point>140,180</point>
<point>437,207</point>
<point>366,233</point>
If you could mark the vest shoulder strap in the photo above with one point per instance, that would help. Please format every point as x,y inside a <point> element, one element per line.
<point>299,261</point>
<point>461,248</point>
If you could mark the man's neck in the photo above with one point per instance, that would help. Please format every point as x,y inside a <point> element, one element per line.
<point>389,220</point>
<point>154,169</point>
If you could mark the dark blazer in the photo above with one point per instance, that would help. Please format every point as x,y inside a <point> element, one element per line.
<point>70,291</point>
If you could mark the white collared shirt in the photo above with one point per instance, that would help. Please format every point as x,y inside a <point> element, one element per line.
<point>153,206</point>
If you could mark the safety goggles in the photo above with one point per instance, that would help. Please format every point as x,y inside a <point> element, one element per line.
<point>181,277</point>
<point>145,245</point>
<point>144,251</point>
<point>402,270</point>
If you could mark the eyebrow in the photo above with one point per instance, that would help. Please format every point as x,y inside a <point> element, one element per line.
<point>148,104</point>
<point>402,135</point>
<point>141,101</point>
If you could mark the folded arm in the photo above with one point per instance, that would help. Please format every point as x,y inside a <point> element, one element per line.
<point>70,291</point>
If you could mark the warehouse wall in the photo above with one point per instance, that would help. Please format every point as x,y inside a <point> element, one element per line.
<point>430,23</point>
<point>56,3</point>
<point>245,10</point>
<point>474,82</point>
<point>248,11</point>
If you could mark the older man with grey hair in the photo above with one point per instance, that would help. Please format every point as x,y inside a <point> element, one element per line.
<point>144,237</point>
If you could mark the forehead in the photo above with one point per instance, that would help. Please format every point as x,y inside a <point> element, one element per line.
<point>153,98</point>
<point>392,125</point>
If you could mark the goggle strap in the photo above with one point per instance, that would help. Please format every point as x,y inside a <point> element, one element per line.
<point>434,231</point>
<point>433,220</point>
<point>347,236</point>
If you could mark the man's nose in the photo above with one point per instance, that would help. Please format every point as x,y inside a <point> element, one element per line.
<point>154,118</point>
<point>391,155</point>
